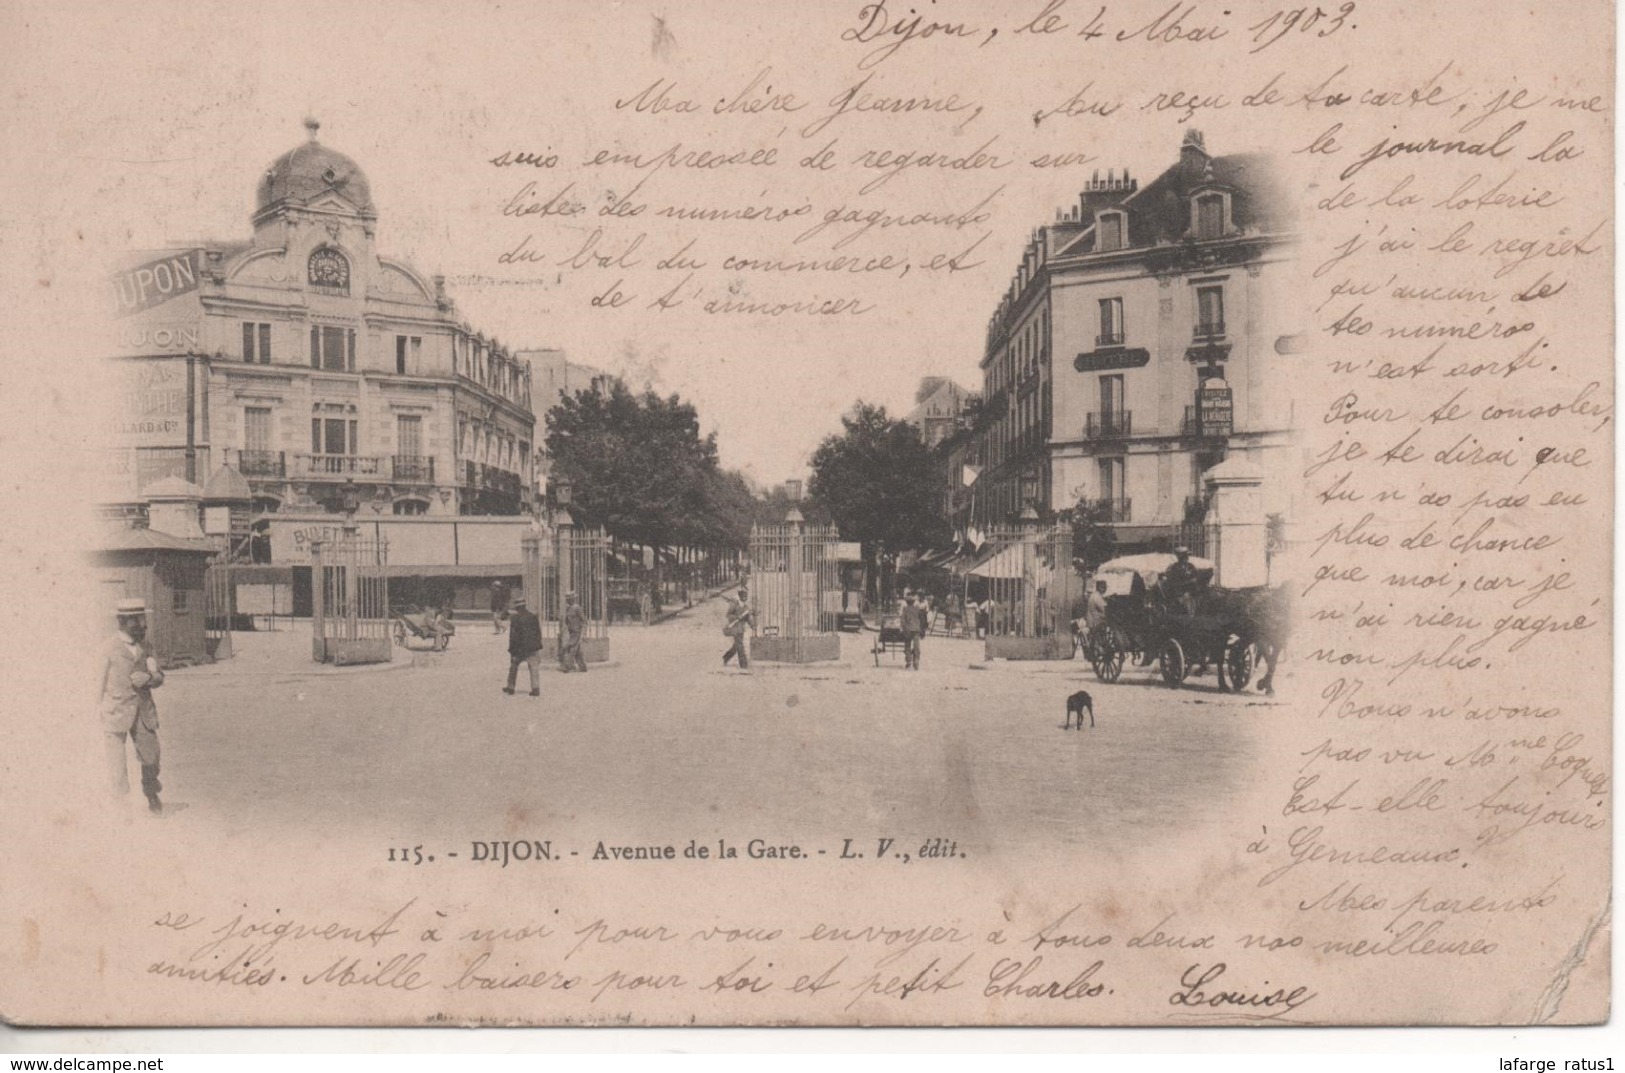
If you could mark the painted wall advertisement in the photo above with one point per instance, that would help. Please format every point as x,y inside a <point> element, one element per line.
<point>153,405</point>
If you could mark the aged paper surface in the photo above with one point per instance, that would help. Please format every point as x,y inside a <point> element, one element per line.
<point>1369,245</point>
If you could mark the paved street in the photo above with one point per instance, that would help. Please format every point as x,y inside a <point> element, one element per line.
<point>665,744</point>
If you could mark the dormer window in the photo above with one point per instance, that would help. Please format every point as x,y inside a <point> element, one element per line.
<point>1111,231</point>
<point>1211,215</point>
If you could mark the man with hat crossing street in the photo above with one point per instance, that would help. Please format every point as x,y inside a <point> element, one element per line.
<point>738,621</point>
<point>575,621</point>
<point>129,675</point>
<point>524,646</point>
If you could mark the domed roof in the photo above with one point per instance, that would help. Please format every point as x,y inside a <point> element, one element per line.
<point>304,173</point>
<point>172,488</point>
<point>227,483</point>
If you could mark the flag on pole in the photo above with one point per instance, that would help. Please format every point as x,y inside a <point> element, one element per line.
<point>968,475</point>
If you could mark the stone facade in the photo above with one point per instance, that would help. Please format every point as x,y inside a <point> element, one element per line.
<point>1146,337</point>
<point>320,368</point>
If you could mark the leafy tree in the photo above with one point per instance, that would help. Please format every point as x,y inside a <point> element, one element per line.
<point>1093,540</point>
<point>639,465</point>
<point>874,479</point>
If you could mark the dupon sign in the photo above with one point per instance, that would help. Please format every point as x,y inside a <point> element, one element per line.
<point>154,282</point>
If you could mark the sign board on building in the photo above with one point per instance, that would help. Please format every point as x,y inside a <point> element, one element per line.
<point>1215,408</point>
<point>154,282</point>
<point>153,403</point>
<point>1115,358</point>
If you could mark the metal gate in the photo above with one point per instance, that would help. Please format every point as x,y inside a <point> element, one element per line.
<point>1028,589</point>
<point>572,560</point>
<point>219,609</point>
<point>350,620</point>
<point>795,590</point>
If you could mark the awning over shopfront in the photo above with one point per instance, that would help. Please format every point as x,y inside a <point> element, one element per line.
<point>998,563</point>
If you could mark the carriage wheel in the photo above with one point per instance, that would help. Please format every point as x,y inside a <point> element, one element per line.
<point>1239,661</point>
<point>400,634</point>
<point>1174,667</point>
<point>1106,658</point>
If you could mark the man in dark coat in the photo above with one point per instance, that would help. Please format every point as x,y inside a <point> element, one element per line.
<point>524,646</point>
<point>1179,582</point>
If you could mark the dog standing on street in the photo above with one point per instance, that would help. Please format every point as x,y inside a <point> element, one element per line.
<point>1076,705</point>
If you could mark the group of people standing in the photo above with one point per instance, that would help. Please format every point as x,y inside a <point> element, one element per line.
<point>525,642</point>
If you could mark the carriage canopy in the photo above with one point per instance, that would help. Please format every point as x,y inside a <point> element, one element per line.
<point>1119,573</point>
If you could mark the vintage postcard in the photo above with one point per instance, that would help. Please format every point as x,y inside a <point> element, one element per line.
<point>1055,512</point>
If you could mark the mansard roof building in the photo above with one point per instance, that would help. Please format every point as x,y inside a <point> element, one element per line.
<point>1144,338</point>
<point>323,370</point>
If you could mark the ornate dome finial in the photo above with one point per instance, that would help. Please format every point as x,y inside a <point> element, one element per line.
<point>313,125</point>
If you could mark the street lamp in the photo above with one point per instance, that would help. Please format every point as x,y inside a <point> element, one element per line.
<point>562,493</point>
<point>1029,497</point>
<point>350,501</point>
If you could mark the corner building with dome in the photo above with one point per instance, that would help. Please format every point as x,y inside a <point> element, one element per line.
<point>326,373</point>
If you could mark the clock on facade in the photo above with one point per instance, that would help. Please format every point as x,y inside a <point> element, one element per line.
<point>329,269</point>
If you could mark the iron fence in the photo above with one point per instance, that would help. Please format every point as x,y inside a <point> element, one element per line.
<point>574,560</point>
<point>795,591</point>
<point>1028,584</point>
<point>350,620</point>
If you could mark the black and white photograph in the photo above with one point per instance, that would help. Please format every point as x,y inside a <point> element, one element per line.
<point>845,514</point>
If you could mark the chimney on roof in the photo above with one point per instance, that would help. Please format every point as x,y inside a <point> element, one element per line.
<point>1193,156</point>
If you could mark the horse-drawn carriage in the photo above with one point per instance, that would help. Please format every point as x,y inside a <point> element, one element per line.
<point>1232,631</point>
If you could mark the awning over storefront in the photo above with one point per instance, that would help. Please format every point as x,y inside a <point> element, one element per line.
<point>998,563</point>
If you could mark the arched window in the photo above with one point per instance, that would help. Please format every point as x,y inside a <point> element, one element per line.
<point>329,270</point>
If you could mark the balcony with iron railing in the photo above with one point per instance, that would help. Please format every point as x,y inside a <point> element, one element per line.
<point>1109,511</point>
<point>1106,339</point>
<point>417,469</point>
<point>1208,329</point>
<point>1208,427</point>
<point>340,466</point>
<point>1108,425</point>
<point>254,463</point>
<point>480,476</point>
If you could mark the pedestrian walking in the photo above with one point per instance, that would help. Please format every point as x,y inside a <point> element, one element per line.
<point>914,625</point>
<point>129,675</point>
<point>740,618</point>
<point>499,605</point>
<point>575,621</point>
<point>524,646</point>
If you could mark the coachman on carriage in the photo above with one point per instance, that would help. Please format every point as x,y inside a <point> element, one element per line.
<point>1164,609</point>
